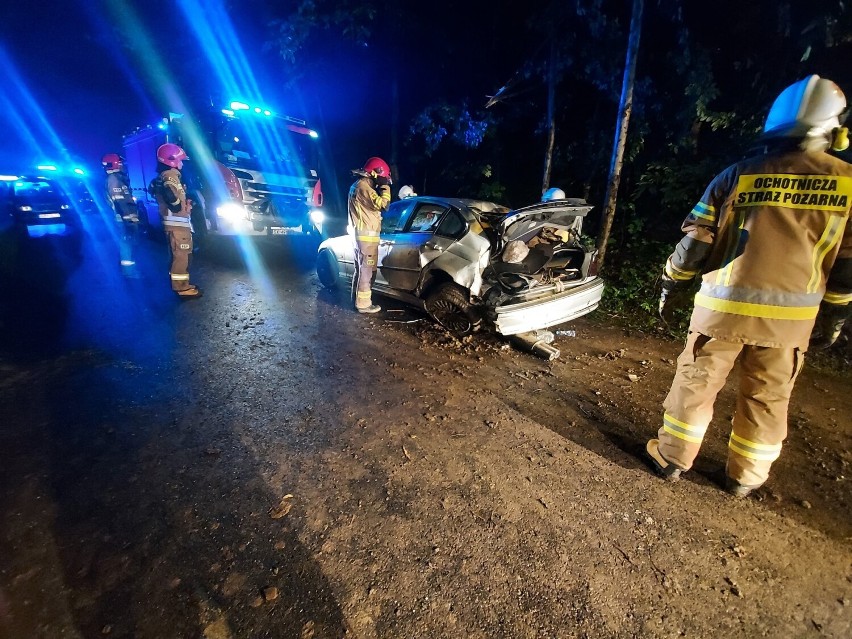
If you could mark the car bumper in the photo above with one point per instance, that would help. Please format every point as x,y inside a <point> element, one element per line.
<point>551,310</point>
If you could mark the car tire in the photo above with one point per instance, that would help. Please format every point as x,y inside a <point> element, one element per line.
<point>328,270</point>
<point>450,307</point>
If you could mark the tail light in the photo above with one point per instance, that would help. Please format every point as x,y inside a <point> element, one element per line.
<point>316,197</point>
<point>235,191</point>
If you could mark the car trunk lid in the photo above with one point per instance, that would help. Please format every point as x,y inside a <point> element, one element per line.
<point>524,223</point>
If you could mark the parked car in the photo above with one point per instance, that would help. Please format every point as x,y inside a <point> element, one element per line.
<point>37,202</point>
<point>468,261</point>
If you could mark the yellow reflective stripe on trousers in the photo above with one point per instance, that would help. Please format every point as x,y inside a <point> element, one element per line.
<point>751,309</point>
<point>841,299</point>
<point>826,243</point>
<point>364,295</point>
<point>178,277</point>
<point>754,450</point>
<point>682,430</point>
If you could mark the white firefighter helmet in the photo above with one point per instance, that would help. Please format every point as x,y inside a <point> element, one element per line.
<point>406,191</point>
<point>553,193</point>
<point>809,108</point>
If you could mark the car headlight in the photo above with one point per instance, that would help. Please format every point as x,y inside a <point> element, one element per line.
<point>231,210</point>
<point>25,208</point>
<point>317,216</point>
<point>64,207</point>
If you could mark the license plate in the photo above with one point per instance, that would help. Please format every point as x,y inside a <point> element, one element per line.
<point>278,230</point>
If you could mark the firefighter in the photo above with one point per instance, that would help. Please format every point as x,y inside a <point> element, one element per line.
<point>126,214</point>
<point>175,213</point>
<point>771,239</point>
<point>368,197</point>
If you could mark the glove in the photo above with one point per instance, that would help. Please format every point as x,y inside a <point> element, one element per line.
<point>381,180</point>
<point>829,324</point>
<point>668,300</point>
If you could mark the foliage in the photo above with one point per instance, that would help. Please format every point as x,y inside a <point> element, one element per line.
<point>704,84</point>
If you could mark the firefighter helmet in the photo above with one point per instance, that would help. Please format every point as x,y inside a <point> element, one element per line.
<point>553,194</point>
<point>809,108</point>
<point>377,167</point>
<point>406,191</point>
<point>171,155</point>
<point>112,162</point>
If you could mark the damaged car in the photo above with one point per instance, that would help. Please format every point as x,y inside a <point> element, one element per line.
<point>471,262</point>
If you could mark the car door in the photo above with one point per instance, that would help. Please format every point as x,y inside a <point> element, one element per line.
<point>404,253</point>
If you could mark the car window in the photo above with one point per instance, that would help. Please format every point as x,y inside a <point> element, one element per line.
<point>452,225</point>
<point>394,219</point>
<point>35,188</point>
<point>426,217</point>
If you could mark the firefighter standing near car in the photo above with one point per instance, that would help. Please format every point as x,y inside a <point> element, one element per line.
<point>126,214</point>
<point>175,211</point>
<point>771,239</point>
<point>368,197</point>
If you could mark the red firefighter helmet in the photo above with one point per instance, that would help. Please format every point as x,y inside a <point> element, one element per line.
<point>377,166</point>
<point>171,155</point>
<point>112,162</point>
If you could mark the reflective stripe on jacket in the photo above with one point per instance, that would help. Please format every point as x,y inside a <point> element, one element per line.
<point>772,238</point>
<point>119,194</point>
<point>366,205</point>
<point>171,199</point>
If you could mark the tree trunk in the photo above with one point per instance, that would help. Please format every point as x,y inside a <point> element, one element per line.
<point>624,108</point>
<point>551,118</point>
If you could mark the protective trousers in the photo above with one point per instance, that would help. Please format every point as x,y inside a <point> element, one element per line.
<point>366,257</point>
<point>127,243</point>
<point>767,376</point>
<point>180,247</point>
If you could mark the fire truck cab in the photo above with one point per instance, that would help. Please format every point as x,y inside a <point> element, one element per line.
<point>250,171</point>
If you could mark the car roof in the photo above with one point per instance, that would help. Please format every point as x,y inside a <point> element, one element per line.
<point>460,202</point>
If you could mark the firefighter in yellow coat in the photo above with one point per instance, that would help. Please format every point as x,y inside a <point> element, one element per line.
<point>368,197</point>
<point>771,239</point>
<point>175,212</point>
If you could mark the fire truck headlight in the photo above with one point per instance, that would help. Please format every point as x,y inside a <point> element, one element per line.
<point>64,207</point>
<point>231,210</point>
<point>25,208</point>
<point>317,216</point>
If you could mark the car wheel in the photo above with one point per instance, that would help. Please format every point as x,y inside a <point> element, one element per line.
<point>328,270</point>
<point>449,306</point>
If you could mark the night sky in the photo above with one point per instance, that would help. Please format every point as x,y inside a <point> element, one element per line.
<point>90,83</point>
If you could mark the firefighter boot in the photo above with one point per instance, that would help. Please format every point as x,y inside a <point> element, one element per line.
<point>190,294</point>
<point>372,308</point>
<point>735,488</point>
<point>661,465</point>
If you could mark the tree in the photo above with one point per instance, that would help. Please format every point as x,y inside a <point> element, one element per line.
<point>624,110</point>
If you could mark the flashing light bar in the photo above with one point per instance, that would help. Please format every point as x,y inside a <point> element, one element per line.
<point>46,167</point>
<point>242,106</point>
<point>9,178</point>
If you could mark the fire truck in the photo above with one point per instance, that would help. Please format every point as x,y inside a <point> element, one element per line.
<point>251,171</point>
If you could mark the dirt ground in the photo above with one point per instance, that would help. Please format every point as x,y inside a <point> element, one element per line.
<point>290,469</point>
